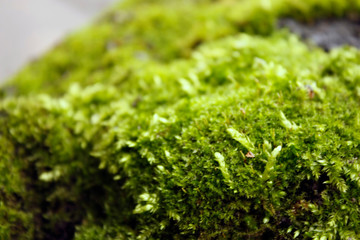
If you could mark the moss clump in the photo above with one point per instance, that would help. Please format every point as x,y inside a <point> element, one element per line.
<point>234,136</point>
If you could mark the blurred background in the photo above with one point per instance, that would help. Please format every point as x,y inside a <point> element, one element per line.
<point>30,27</point>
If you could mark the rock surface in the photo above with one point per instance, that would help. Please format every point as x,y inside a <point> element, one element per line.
<point>327,34</point>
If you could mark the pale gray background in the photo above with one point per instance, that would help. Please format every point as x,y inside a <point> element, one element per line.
<point>30,27</point>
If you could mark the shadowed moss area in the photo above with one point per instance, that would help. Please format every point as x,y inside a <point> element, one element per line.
<point>185,120</point>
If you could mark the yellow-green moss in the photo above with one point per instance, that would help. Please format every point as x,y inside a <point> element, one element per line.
<point>141,34</point>
<point>205,133</point>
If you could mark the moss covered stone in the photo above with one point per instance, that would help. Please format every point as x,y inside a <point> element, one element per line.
<point>185,120</point>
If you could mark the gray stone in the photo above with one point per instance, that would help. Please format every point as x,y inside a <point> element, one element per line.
<point>327,33</point>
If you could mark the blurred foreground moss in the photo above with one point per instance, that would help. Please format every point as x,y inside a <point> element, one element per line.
<point>162,121</point>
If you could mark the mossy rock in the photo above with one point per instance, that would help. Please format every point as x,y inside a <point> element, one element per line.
<point>185,120</point>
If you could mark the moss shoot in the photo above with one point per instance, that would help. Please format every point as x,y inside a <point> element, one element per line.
<point>185,120</point>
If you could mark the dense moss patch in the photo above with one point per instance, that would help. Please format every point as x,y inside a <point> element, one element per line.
<point>158,124</point>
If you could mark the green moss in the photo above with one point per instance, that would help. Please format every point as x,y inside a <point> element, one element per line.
<point>205,133</point>
<point>140,34</point>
